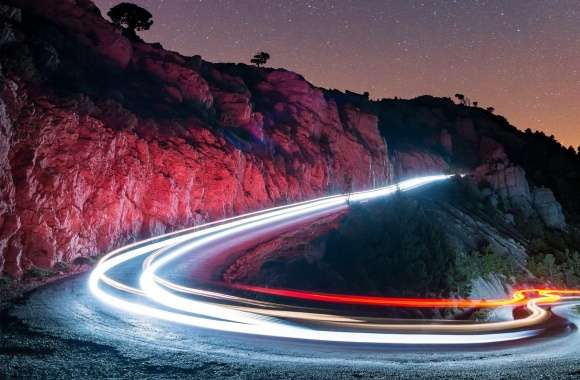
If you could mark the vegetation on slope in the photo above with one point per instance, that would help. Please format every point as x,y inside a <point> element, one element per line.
<point>403,246</point>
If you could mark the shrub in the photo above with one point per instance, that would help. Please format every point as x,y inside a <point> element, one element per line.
<point>5,282</point>
<point>38,272</point>
<point>563,272</point>
<point>392,247</point>
<point>545,267</point>
<point>482,263</point>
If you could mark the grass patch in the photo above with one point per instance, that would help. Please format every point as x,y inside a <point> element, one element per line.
<point>5,282</point>
<point>38,272</point>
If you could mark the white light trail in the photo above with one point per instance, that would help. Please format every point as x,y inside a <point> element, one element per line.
<point>203,313</point>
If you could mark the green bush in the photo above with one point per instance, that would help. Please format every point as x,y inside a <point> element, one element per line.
<point>492,262</point>
<point>393,247</point>
<point>563,272</point>
<point>571,270</point>
<point>38,272</point>
<point>482,263</point>
<point>5,282</point>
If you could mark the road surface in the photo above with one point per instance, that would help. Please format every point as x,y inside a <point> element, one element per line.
<point>131,319</point>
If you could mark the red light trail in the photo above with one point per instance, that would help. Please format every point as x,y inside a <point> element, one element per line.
<point>228,313</point>
<point>518,298</point>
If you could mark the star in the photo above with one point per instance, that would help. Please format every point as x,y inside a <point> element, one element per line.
<point>503,54</point>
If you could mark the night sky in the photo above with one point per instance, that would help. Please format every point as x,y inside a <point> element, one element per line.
<point>521,57</point>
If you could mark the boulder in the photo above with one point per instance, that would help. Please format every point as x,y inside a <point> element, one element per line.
<point>510,183</point>
<point>416,163</point>
<point>234,109</point>
<point>548,208</point>
<point>186,84</point>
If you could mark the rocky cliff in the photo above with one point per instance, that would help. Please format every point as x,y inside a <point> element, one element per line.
<point>105,139</point>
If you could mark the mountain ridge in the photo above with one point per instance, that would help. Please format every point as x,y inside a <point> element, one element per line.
<point>108,139</point>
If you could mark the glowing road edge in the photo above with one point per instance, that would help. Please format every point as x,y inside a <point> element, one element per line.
<point>204,314</point>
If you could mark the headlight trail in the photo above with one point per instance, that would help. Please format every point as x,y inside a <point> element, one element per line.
<point>159,298</point>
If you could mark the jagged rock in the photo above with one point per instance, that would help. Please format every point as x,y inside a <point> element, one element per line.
<point>491,151</point>
<point>9,220</point>
<point>7,34</point>
<point>295,244</point>
<point>234,109</point>
<point>489,195</point>
<point>83,187</point>
<point>548,208</point>
<point>466,231</point>
<point>490,287</point>
<point>186,84</point>
<point>466,129</point>
<point>160,147</point>
<point>446,141</point>
<point>10,13</point>
<point>81,175</point>
<point>416,163</point>
<point>509,218</point>
<point>509,181</point>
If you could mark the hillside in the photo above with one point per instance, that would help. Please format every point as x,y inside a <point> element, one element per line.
<point>106,139</point>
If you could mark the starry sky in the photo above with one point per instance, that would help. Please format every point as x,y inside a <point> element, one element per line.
<point>520,56</point>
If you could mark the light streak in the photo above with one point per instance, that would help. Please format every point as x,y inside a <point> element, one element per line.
<point>159,298</point>
<point>518,298</point>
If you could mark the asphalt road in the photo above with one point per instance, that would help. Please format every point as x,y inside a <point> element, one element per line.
<point>61,331</point>
<point>64,331</point>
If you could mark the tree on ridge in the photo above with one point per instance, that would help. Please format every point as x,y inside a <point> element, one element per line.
<point>260,58</point>
<point>130,17</point>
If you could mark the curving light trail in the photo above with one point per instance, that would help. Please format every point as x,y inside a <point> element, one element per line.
<point>159,298</point>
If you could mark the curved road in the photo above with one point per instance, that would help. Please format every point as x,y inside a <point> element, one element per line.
<point>143,324</point>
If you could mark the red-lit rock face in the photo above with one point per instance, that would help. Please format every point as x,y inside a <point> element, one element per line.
<point>81,188</point>
<point>80,177</point>
<point>105,139</point>
<point>298,243</point>
<point>412,163</point>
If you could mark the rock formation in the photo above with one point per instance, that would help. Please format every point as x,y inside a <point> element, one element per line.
<point>105,139</point>
<point>82,174</point>
<point>548,208</point>
<point>413,163</point>
<point>509,181</point>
